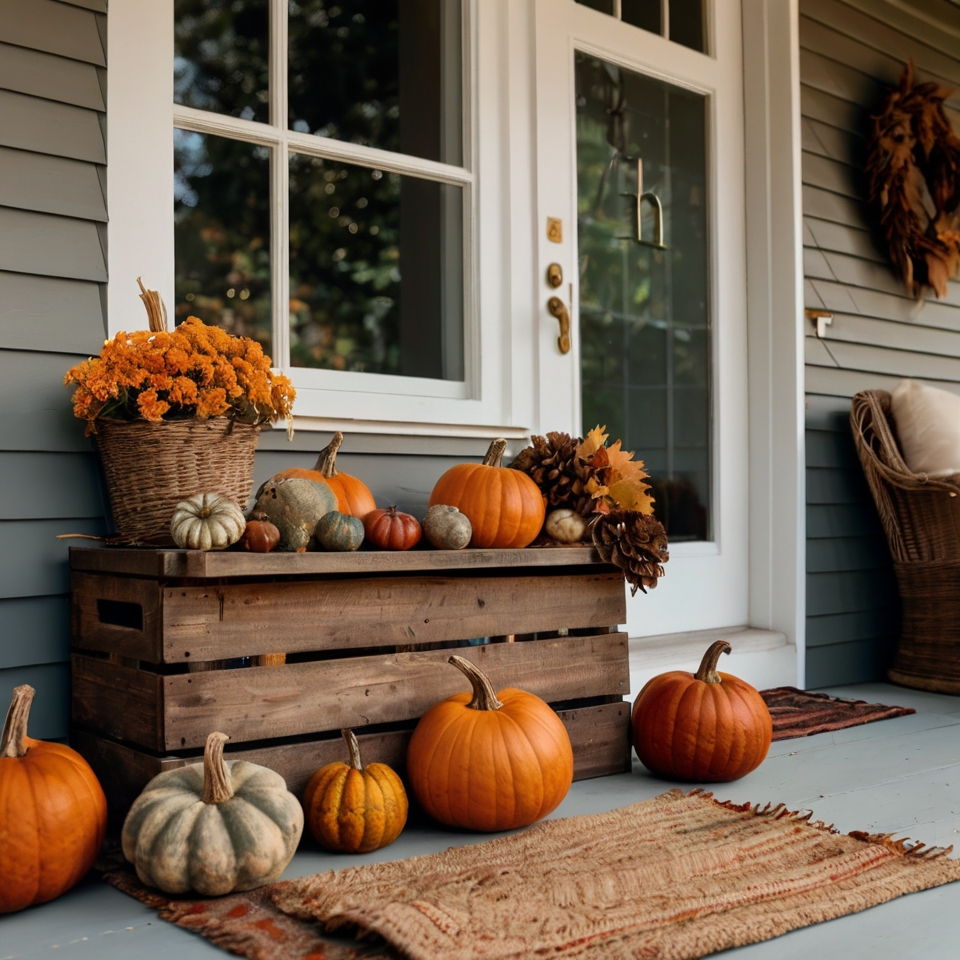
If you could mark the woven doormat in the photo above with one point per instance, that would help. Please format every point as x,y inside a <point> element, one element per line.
<point>679,876</point>
<point>800,713</point>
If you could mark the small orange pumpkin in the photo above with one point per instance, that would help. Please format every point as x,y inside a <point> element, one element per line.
<point>53,813</point>
<point>259,536</point>
<point>505,507</point>
<point>489,761</point>
<point>355,809</point>
<point>706,726</point>
<point>353,495</point>
<point>391,529</point>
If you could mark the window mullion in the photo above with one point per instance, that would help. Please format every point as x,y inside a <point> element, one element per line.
<point>279,187</point>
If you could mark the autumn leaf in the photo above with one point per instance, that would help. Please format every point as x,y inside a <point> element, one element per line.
<point>632,495</point>
<point>623,464</point>
<point>594,441</point>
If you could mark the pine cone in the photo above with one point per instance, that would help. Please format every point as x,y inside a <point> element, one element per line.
<point>553,466</point>
<point>636,543</point>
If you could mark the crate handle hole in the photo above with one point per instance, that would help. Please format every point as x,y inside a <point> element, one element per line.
<point>121,613</point>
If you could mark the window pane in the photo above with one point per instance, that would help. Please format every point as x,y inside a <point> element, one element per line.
<point>686,23</point>
<point>222,56</point>
<point>221,192</point>
<point>644,310</point>
<point>604,6</point>
<point>376,271</point>
<point>379,72</point>
<point>642,13</point>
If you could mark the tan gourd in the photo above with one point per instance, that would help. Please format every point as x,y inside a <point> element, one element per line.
<point>212,827</point>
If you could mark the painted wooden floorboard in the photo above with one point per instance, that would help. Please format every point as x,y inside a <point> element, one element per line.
<point>899,775</point>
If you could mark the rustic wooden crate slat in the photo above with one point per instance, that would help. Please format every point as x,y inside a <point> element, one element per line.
<point>263,702</point>
<point>95,623</point>
<point>598,735</point>
<point>209,564</point>
<point>240,619</point>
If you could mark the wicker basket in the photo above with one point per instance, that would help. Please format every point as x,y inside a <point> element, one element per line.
<point>151,467</point>
<point>921,518</point>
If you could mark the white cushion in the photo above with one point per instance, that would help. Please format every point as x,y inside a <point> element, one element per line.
<point>928,427</point>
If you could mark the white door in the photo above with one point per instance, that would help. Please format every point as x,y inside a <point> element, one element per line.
<point>641,206</point>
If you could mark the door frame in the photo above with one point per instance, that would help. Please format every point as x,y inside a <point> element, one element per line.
<point>773,486</point>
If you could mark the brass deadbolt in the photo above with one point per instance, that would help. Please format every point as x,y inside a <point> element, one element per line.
<point>554,275</point>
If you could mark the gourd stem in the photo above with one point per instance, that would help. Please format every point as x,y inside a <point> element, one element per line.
<point>494,455</point>
<point>327,461</point>
<point>354,749</point>
<point>708,665</point>
<point>484,696</point>
<point>217,786</point>
<point>15,726</point>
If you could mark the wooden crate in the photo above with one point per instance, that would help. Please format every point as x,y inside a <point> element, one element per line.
<point>158,634</point>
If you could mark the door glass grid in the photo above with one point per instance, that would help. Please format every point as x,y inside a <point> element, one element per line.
<point>681,21</point>
<point>644,309</point>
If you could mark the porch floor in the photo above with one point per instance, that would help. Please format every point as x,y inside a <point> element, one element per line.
<point>900,775</point>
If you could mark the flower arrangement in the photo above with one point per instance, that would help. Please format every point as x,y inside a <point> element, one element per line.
<point>195,371</point>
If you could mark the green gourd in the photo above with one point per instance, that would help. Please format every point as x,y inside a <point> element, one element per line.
<point>294,505</point>
<point>339,531</point>
<point>212,827</point>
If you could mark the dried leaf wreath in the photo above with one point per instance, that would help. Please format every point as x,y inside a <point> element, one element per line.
<point>913,165</point>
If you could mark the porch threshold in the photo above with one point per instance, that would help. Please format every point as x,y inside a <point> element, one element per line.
<point>763,658</point>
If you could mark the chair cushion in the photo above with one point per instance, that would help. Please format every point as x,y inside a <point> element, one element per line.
<point>928,427</point>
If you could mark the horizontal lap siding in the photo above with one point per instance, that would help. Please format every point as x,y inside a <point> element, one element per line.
<point>52,274</point>
<point>851,52</point>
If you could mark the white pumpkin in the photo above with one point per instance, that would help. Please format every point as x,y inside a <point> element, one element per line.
<point>212,827</point>
<point>207,521</point>
<point>566,526</point>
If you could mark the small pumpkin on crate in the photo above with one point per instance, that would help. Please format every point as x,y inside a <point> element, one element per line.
<point>707,726</point>
<point>259,536</point>
<point>52,810</point>
<point>489,760</point>
<point>505,507</point>
<point>351,808</point>
<point>207,521</point>
<point>213,827</point>
<point>391,529</point>
<point>446,527</point>
<point>339,532</point>
<point>353,495</point>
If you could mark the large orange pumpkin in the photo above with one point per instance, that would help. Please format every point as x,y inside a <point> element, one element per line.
<point>353,495</point>
<point>703,726</point>
<point>504,506</point>
<point>489,761</point>
<point>53,813</point>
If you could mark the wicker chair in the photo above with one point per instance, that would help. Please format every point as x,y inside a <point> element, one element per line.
<point>921,518</point>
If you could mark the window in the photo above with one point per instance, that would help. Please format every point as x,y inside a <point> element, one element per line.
<point>320,196</point>
<point>679,20</point>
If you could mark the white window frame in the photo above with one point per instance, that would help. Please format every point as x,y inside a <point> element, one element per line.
<point>141,119</point>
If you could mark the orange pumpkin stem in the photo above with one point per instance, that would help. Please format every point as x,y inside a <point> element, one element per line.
<point>354,749</point>
<point>708,665</point>
<point>217,784</point>
<point>327,461</point>
<point>494,455</point>
<point>484,696</point>
<point>15,726</point>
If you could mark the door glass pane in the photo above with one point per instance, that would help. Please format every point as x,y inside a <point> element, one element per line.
<point>686,23</point>
<point>644,309</point>
<point>642,13</point>
<point>376,271</point>
<point>222,56</point>
<point>221,211</point>
<point>379,72</point>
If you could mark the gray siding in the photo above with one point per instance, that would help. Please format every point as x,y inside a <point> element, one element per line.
<point>851,51</point>
<point>52,268</point>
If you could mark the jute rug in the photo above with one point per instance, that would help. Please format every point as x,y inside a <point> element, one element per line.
<point>676,878</point>
<point>800,713</point>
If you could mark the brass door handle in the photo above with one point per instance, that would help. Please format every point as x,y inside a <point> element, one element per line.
<point>556,308</point>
